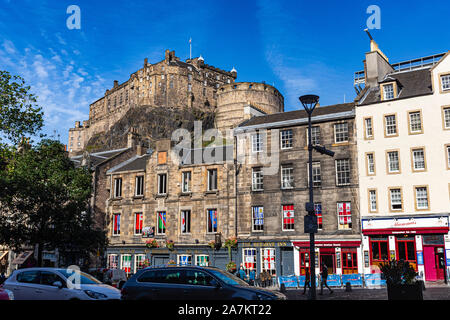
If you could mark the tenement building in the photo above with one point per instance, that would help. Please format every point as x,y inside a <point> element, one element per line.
<point>272,189</point>
<point>403,138</point>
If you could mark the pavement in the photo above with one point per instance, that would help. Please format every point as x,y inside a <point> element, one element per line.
<point>433,291</point>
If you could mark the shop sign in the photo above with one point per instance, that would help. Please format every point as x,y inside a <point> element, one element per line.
<point>420,257</point>
<point>148,232</point>
<point>447,255</point>
<point>268,244</point>
<point>405,223</point>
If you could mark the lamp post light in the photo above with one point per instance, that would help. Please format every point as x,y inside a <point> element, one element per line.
<point>309,102</point>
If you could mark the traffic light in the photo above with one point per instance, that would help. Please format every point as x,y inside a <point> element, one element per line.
<point>323,150</point>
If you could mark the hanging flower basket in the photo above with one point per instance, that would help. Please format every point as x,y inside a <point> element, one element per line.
<point>170,245</point>
<point>231,266</point>
<point>171,262</point>
<point>212,244</point>
<point>230,243</point>
<point>152,243</point>
<point>145,263</point>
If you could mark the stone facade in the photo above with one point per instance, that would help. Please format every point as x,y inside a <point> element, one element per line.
<point>169,83</point>
<point>272,195</point>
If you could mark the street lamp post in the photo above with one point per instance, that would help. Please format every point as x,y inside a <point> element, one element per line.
<point>309,102</point>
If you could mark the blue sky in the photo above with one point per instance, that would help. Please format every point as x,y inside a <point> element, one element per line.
<point>298,46</point>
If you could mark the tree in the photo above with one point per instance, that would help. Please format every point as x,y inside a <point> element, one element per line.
<point>47,203</point>
<point>19,114</point>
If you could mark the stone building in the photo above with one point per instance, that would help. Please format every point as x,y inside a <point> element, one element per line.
<point>272,189</point>
<point>168,195</point>
<point>169,83</point>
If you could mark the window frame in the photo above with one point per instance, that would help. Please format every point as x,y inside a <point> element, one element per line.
<point>261,178</point>
<point>141,222</point>
<point>413,169</point>
<point>447,155</point>
<point>388,168</point>
<point>258,143</point>
<point>187,221</point>
<point>366,136</point>
<point>162,231</point>
<point>272,255</point>
<point>283,225</point>
<point>249,265</point>
<point>290,139</point>
<point>394,90</point>
<point>159,175</point>
<point>366,158</point>
<point>337,172</point>
<point>443,109</point>
<point>254,218</point>
<point>401,199</point>
<point>183,181</point>
<point>116,232</point>
<point>117,188</point>
<point>427,189</point>
<point>209,171</point>
<point>386,126</point>
<point>347,226</point>
<point>139,187</point>
<point>409,113</point>
<point>290,175</point>
<point>208,222</point>
<point>345,133</point>
<point>369,198</point>
<point>441,82</point>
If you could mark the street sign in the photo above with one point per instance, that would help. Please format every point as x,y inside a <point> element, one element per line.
<point>310,224</point>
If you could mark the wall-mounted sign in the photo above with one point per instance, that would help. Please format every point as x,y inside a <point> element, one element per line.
<point>420,257</point>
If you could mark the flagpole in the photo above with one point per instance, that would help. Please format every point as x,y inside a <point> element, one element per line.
<point>190,48</point>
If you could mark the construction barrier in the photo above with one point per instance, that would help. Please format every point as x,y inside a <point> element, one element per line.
<point>374,279</point>
<point>288,281</point>
<point>355,279</point>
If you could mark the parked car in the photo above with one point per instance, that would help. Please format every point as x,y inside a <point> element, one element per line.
<point>192,283</point>
<point>113,277</point>
<point>57,284</point>
<point>6,294</point>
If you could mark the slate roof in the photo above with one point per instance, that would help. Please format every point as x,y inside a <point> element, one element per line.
<point>410,84</point>
<point>98,157</point>
<point>297,114</point>
<point>135,163</point>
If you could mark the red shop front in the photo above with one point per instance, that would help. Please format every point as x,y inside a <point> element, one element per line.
<point>341,257</point>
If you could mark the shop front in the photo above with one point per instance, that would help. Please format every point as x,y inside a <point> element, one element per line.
<point>273,257</point>
<point>340,256</point>
<point>131,259</point>
<point>421,241</point>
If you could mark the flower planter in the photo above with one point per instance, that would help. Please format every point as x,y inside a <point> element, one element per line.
<point>405,291</point>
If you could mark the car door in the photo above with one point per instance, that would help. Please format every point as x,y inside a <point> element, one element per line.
<point>199,285</point>
<point>25,285</point>
<point>47,291</point>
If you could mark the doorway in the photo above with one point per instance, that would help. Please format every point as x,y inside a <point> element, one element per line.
<point>327,257</point>
<point>434,260</point>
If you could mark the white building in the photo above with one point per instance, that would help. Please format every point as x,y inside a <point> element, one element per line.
<point>403,143</point>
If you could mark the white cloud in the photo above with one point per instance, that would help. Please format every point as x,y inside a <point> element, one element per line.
<point>63,88</point>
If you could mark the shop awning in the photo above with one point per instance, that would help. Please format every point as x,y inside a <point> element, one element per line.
<point>21,258</point>
<point>3,254</point>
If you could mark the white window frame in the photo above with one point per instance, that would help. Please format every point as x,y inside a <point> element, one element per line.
<point>257,144</point>
<point>249,256</point>
<point>164,186</point>
<point>287,177</point>
<point>340,225</point>
<point>257,179</point>
<point>421,198</point>
<point>418,161</point>
<point>394,161</point>
<point>197,263</point>
<point>139,186</point>
<point>268,252</point>
<point>286,139</point>
<point>114,232</point>
<point>338,173</point>
<point>368,125</point>
<point>445,82</point>
<point>370,158</point>
<point>212,188</point>
<point>188,221</point>
<point>413,121</point>
<point>373,200</point>
<point>390,125</point>
<point>115,264</point>
<point>257,227</point>
<point>446,115</point>
<point>117,187</point>
<point>186,187</point>
<point>341,132</point>
<point>388,94</point>
<point>398,199</point>
<point>134,225</point>
<point>316,174</point>
<point>123,265</point>
<point>291,225</point>
<point>138,258</point>
<point>184,255</point>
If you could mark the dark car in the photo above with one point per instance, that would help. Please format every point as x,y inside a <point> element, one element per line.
<point>192,283</point>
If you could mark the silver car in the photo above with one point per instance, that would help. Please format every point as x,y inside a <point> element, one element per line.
<point>58,284</point>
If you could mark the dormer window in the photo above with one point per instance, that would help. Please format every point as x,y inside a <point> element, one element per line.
<point>388,91</point>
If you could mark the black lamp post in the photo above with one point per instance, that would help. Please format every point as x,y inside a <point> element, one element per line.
<point>309,102</point>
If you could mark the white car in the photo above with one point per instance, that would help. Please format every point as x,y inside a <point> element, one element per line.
<point>58,284</point>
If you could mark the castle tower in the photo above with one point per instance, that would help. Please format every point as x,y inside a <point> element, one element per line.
<point>239,101</point>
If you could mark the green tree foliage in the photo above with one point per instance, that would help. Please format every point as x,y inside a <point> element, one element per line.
<point>19,114</point>
<point>47,203</point>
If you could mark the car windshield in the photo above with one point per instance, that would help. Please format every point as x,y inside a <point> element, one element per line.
<point>84,278</point>
<point>228,278</point>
